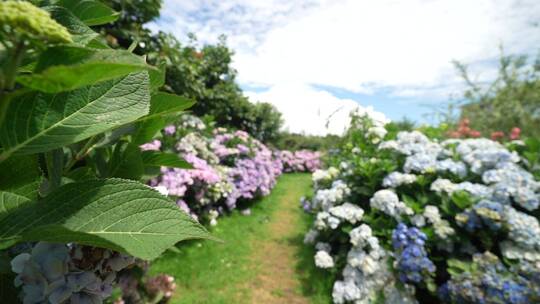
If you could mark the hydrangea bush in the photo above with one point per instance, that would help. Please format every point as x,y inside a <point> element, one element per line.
<point>229,168</point>
<point>406,219</point>
<point>299,161</point>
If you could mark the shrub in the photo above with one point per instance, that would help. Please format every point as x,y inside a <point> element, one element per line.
<point>411,220</point>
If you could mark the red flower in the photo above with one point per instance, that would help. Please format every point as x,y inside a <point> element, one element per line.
<point>515,133</point>
<point>497,135</point>
<point>475,134</point>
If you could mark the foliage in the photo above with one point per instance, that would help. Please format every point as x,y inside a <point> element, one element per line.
<point>204,74</point>
<point>72,113</point>
<point>511,100</point>
<point>410,219</point>
<point>296,141</point>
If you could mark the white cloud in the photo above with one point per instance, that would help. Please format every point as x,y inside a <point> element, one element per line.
<point>390,43</point>
<point>312,111</point>
<point>401,47</point>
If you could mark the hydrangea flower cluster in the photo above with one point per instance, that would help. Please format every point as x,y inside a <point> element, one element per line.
<point>489,281</point>
<point>446,221</point>
<point>228,167</point>
<point>412,262</point>
<point>388,202</point>
<point>60,273</point>
<point>299,161</point>
<point>323,178</point>
<point>396,179</point>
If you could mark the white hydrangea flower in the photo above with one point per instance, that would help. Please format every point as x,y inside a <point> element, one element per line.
<point>388,202</point>
<point>418,220</point>
<point>367,262</point>
<point>324,220</point>
<point>345,291</point>
<point>377,131</point>
<point>431,213</point>
<point>389,145</point>
<point>348,212</point>
<point>443,229</point>
<point>322,176</point>
<point>442,185</point>
<point>396,179</point>
<point>324,199</point>
<point>360,234</point>
<point>323,259</point>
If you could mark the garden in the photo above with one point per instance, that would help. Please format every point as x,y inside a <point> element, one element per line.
<point>134,169</point>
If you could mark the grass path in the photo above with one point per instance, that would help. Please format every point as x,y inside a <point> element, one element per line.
<point>262,259</point>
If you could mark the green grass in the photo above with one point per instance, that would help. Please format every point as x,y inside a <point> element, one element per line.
<point>211,272</point>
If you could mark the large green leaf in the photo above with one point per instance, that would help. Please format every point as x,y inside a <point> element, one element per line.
<point>39,122</point>
<point>80,32</point>
<point>90,12</point>
<point>122,215</point>
<point>10,202</point>
<point>158,159</point>
<point>162,104</point>
<point>157,77</point>
<point>64,68</point>
<point>162,108</point>
<point>126,161</point>
<point>21,175</point>
<point>146,130</point>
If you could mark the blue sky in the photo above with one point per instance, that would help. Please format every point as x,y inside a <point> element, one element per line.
<point>314,57</point>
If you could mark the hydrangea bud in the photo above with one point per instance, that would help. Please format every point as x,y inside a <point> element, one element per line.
<point>30,22</point>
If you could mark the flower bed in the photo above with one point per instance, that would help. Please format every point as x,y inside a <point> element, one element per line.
<point>229,168</point>
<point>299,161</point>
<point>413,220</point>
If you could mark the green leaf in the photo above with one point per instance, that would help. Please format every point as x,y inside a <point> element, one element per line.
<point>157,77</point>
<point>162,104</point>
<point>80,32</point>
<point>147,130</point>
<point>158,159</point>
<point>126,161</point>
<point>9,202</point>
<point>55,167</point>
<point>64,68</point>
<point>461,199</point>
<point>21,175</point>
<point>111,137</point>
<point>121,215</point>
<point>90,12</point>
<point>40,122</point>
<point>81,173</point>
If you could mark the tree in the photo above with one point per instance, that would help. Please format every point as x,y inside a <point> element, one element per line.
<point>511,100</point>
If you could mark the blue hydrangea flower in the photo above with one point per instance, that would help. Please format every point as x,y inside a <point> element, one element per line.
<point>484,214</point>
<point>413,263</point>
<point>489,281</point>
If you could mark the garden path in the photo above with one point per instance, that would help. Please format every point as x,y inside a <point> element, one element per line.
<point>275,257</point>
<point>262,259</point>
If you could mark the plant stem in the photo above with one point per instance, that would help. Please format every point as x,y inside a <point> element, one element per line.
<point>82,153</point>
<point>10,71</point>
